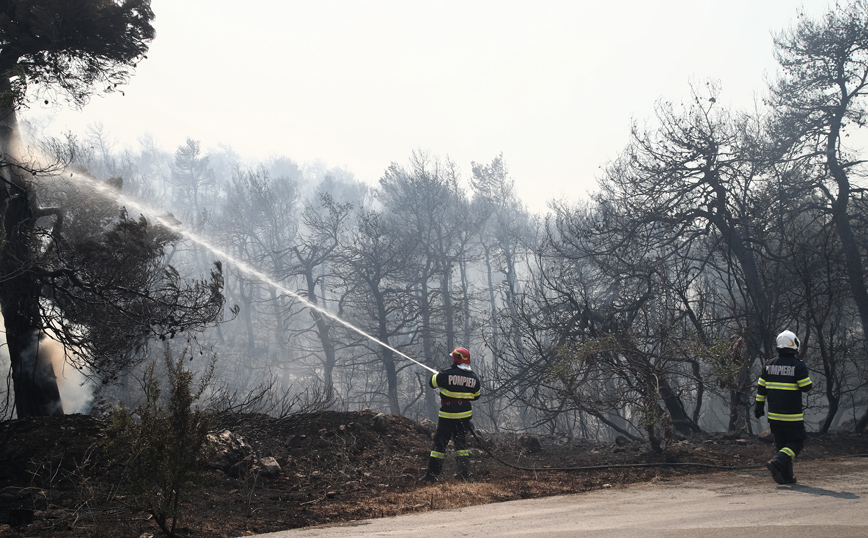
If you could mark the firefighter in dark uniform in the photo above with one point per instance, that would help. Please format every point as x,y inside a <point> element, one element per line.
<point>458,387</point>
<point>781,384</point>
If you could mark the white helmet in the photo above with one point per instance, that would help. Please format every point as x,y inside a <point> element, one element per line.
<point>788,340</point>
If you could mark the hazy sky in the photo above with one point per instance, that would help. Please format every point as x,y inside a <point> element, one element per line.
<point>357,84</point>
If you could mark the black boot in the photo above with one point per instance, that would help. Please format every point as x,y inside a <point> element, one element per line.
<point>463,468</point>
<point>435,465</point>
<point>778,467</point>
<point>789,477</point>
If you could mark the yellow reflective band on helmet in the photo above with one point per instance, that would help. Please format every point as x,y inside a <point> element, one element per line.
<point>805,382</point>
<point>782,386</point>
<point>438,455</point>
<point>465,414</point>
<point>434,381</point>
<point>460,395</point>
<point>786,418</point>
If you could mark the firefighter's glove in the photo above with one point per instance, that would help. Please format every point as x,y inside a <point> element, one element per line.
<point>759,409</point>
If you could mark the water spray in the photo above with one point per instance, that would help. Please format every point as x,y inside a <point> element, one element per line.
<point>244,267</point>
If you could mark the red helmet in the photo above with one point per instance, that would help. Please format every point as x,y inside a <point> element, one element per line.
<point>461,356</point>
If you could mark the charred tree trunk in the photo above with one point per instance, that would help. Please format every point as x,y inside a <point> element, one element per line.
<point>323,331</point>
<point>862,422</point>
<point>448,307</point>
<point>675,407</point>
<point>33,377</point>
<point>493,308</point>
<point>700,391</point>
<point>386,355</point>
<point>432,404</point>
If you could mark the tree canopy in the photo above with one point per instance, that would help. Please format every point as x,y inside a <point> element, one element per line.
<point>80,271</point>
<point>74,47</point>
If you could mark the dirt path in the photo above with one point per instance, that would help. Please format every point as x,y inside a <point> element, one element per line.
<point>831,499</point>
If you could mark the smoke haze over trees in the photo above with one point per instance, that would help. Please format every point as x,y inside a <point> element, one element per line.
<point>73,269</point>
<point>644,311</point>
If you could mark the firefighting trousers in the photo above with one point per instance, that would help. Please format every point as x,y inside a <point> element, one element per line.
<point>451,430</point>
<point>789,436</point>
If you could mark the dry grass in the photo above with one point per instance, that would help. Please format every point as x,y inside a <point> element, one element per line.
<point>336,468</point>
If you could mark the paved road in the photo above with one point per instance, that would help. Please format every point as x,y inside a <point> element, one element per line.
<point>830,500</point>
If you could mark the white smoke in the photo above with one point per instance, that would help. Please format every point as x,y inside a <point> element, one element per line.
<point>171,223</point>
<point>76,390</point>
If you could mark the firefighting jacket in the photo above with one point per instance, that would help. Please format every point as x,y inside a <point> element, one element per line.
<point>458,387</point>
<point>781,384</point>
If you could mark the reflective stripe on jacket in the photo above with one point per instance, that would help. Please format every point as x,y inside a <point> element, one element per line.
<point>458,387</point>
<point>781,384</point>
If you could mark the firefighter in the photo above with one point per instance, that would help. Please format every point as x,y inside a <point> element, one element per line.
<point>781,384</point>
<point>458,387</point>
